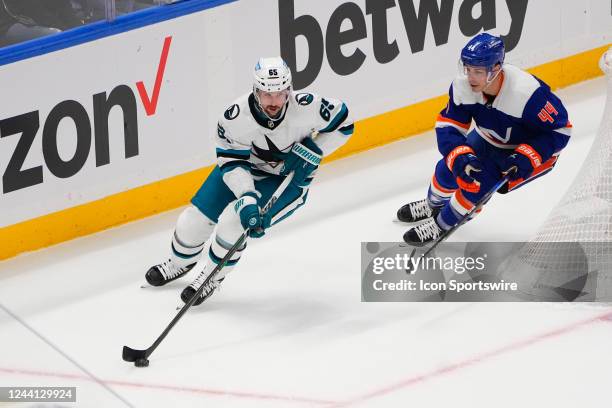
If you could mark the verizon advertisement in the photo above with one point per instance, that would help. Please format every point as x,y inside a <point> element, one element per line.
<point>101,118</point>
<point>124,111</point>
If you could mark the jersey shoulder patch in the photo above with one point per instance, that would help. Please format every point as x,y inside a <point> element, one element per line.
<point>304,99</point>
<point>232,112</point>
<point>235,122</point>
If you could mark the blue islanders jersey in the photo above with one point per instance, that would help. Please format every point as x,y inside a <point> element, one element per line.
<point>525,111</point>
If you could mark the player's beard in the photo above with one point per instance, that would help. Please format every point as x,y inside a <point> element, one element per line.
<point>276,113</point>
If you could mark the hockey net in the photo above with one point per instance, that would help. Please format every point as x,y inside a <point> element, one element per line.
<point>572,250</point>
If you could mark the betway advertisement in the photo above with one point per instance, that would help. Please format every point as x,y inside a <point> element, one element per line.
<point>388,54</point>
<point>97,119</point>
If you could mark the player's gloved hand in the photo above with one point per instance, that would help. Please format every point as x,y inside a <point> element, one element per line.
<point>250,215</point>
<point>465,165</point>
<point>521,163</point>
<point>303,160</point>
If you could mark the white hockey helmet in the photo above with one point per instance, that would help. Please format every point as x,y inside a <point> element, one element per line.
<point>271,75</point>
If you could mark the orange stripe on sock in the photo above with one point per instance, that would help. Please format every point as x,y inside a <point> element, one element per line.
<point>465,203</point>
<point>437,185</point>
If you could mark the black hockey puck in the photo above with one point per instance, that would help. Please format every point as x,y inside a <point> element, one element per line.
<point>141,362</point>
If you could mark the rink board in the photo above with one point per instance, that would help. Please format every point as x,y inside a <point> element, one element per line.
<point>121,127</point>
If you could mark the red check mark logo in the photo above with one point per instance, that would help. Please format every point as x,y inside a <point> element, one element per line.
<point>150,104</point>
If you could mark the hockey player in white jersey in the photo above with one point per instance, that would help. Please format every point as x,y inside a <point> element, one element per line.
<point>500,121</point>
<point>261,138</point>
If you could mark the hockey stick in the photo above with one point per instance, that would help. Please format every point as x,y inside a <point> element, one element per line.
<point>140,357</point>
<point>467,216</point>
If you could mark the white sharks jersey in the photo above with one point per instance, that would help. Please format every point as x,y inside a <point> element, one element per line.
<point>251,146</point>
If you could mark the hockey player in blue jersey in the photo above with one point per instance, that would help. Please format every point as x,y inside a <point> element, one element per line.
<point>500,121</point>
<point>262,137</point>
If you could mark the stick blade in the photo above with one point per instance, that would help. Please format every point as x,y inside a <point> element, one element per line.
<point>131,355</point>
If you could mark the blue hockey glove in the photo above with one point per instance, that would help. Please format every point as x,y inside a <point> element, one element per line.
<point>303,160</point>
<point>250,215</point>
<point>521,163</point>
<point>465,165</point>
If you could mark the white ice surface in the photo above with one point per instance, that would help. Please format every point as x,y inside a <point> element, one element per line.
<point>288,327</point>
